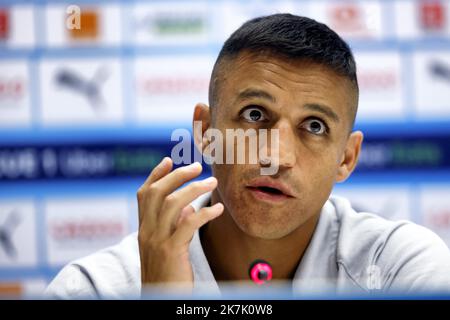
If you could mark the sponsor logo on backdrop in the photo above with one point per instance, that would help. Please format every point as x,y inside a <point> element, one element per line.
<point>12,89</point>
<point>353,19</point>
<point>167,88</point>
<point>89,88</point>
<point>168,85</point>
<point>15,104</point>
<point>4,24</point>
<point>67,231</point>
<point>380,86</point>
<point>378,80</point>
<point>432,15</point>
<point>17,25</point>
<point>70,24</point>
<point>172,23</point>
<point>7,229</point>
<point>440,70</point>
<point>168,96</point>
<point>439,219</point>
<point>10,289</point>
<point>359,20</point>
<point>81,91</point>
<point>78,227</point>
<point>89,25</point>
<point>30,288</point>
<point>432,84</point>
<point>346,17</point>
<point>18,163</point>
<point>77,161</point>
<point>404,154</point>
<point>17,234</point>
<point>185,23</point>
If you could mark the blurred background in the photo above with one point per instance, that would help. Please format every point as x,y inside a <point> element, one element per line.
<point>86,113</point>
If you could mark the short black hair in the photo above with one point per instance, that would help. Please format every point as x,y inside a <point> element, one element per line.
<point>292,37</point>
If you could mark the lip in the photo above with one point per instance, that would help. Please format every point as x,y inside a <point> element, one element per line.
<point>255,185</point>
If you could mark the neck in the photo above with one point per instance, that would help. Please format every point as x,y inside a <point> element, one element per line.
<point>230,251</point>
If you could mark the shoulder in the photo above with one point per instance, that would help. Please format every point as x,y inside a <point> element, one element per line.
<point>360,230</point>
<point>406,256</point>
<point>111,272</point>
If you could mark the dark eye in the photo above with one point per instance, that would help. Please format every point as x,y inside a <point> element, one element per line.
<point>315,126</point>
<point>253,114</point>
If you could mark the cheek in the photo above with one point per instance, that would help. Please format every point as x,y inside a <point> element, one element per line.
<point>228,181</point>
<point>318,174</point>
<point>318,160</point>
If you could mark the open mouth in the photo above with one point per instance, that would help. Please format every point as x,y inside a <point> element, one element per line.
<point>268,190</point>
<point>268,194</point>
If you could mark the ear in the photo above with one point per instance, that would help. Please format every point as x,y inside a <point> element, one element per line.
<point>350,156</point>
<point>200,123</point>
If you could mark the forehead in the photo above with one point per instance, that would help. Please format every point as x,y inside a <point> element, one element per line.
<point>288,80</point>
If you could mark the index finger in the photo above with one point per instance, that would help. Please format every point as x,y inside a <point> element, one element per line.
<point>161,169</point>
<point>177,178</point>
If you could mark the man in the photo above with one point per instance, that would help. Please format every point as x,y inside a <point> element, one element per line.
<point>296,76</point>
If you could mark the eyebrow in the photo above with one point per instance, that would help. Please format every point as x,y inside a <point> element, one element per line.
<point>256,93</point>
<point>322,109</point>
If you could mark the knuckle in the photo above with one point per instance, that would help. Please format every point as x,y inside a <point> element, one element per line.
<point>192,221</point>
<point>170,200</point>
<point>197,185</point>
<point>183,171</point>
<point>141,193</point>
<point>142,238</point>
<point>153,189</point>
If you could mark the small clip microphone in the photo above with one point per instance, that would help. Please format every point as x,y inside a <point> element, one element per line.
<point>260,272</point>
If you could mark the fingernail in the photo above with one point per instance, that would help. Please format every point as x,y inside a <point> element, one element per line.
<point>195,165</point>
<point>165,161</point>
<point>210,181</point>
<point>218,206</point>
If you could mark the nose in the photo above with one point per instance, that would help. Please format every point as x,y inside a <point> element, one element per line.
<point>283,154</point>
<point>287,137</point>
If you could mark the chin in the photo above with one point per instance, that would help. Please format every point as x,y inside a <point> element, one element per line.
<point>265,232</point>
<point>262,227</point>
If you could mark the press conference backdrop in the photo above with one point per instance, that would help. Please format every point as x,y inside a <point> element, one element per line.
<point>86,113</point>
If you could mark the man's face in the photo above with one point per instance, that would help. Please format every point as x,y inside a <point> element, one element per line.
<point>309,105</point>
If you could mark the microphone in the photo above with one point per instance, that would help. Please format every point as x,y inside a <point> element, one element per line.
<point>260,272</point>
